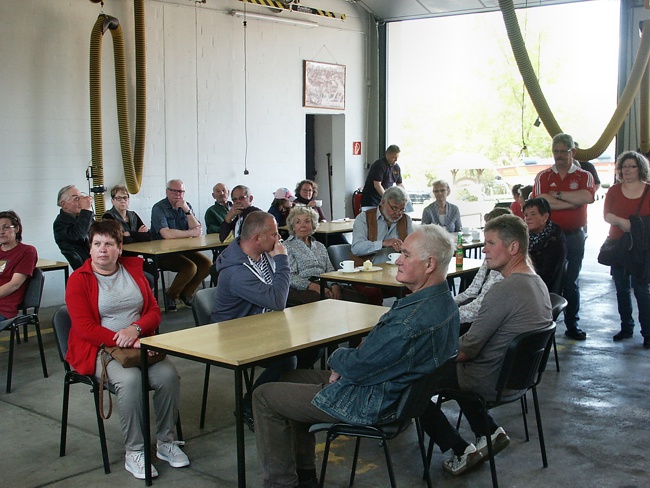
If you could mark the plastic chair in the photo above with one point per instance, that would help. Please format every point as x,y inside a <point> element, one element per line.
<point>202,311</point>
<point>521,371</point>
<point>412,405</point>
<point>338,253</point>
<point>61,324</point>
<point>74,258</point>
<point>32,300</point>
<point>558,304</point>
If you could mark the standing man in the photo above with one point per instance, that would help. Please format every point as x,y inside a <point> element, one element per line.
<point>254,278</point>
<point>365,384</point>
<point>517,304</point>
<point>72,224</point>
<point>215,215</point>
<point>234,219</point>
<point>568,189</point>
<point>173,218</point>
<point>383,174</point>
<point>377,232</point>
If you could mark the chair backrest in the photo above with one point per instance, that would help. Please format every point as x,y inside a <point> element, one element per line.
<point>32,298</point>
<point>61,324</point>
<point>558,304</point>
<point>203,305</point>
<point>338,253</point>
<point>74,258</point>
<point>556,285</point>
<point>356,202</point>
<point>525,359</point>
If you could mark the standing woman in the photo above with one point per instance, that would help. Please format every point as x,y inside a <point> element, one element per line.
<point>441,212</point>
<point>17,263</point>
<point>110,303</point>
<point>629,197</point>
<point>306,193</point>
<point>133,228</point>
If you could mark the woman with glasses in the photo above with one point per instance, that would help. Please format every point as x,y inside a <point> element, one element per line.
<point>306,193</point>
<point>132,226</point>
<point>627,198</point>
<point>441,212</point>
<point>17,263</point>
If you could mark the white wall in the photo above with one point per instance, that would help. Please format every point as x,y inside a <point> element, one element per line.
<point>195,103</point>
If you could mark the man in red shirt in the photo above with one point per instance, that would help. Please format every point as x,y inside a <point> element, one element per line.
<point>568,189</point>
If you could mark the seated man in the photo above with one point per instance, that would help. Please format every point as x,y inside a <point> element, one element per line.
<point>380,231</point>
<point>215,215</point>
<point>254,278</point>
<point>72,224</point>
<point>417,335</point>
<point>514,305</point>
<point>173,218</point>
<point>241,208</point>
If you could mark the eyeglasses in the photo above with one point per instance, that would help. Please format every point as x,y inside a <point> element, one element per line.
<point>444,190</point>
<point>5,228</point>
<point>557,152</point>
<point>630,166</point>
<point>178,192</point>
<point>307,190</point>
<point>240,199</point>
<point>396,209</point>
<point>121,199</point>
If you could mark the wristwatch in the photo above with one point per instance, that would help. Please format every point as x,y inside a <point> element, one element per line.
<point>138,328</point>
<point>188,212</point>
<point>559,195</point>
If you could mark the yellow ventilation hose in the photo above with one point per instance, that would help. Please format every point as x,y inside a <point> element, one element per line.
<point>132,169</point>
<point>539,101</point>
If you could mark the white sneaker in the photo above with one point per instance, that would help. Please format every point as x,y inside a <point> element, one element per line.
<point>134,464</point>
<point>457,465</point>
<point>500,441</point>
<point>170,452</point>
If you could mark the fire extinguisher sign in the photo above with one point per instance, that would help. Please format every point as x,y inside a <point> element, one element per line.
<point>356,148</point>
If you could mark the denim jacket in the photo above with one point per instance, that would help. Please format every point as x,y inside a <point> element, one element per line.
<point>417,335</point>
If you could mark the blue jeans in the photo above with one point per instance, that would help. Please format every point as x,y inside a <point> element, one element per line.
<point>575,245</point>
<point>624,282</point>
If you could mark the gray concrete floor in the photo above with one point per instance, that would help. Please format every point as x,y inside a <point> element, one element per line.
<point>595,414</point>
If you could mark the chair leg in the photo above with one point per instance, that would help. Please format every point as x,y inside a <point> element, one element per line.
<point>355,458</point>
<point>557,362</point>
<point>37,326</point>
<point>102,432</point>
<point>164,289</point>
<point>540,430</point>
<point>64,416</point>
<point>179,427</point>
<point>389,464</point>
<point>423,454</point>
<point>493,467</point>
<point>326,453</point>
<point>204,400</point>
<point>524,411</point>
<point>12,338</point>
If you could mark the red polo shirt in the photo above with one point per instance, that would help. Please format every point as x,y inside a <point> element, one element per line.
<point>549,181</point>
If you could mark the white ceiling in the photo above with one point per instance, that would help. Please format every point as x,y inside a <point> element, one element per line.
<point>395,10</point>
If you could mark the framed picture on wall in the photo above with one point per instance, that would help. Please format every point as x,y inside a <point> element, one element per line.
<point>324,85</point>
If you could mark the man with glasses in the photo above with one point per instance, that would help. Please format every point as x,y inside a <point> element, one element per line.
<point>72,224</point>
<point>216,214</point>
<point>241,208</point>
<point>377,232</point>
<point>173,218</point>
<point>568,189</point>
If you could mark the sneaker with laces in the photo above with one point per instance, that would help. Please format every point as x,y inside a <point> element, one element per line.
<point>171,304</point>
<point>500,441</point>
<point>134,464</point>
<point>170,452</point>
<point>457,465</point>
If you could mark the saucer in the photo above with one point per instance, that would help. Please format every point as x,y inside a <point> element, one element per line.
<point>353,271</point>
<point>374,268</point>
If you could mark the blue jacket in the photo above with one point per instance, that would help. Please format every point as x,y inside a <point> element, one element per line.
<point>417,335</point>
<point>241,291</point>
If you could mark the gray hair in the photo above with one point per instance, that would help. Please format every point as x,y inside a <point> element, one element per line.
<point>256,222</point>
<point>441,183</point>
<point>436,242</point>
<point>62,192</point>
<point>175,180</point>
<point>641,163</point>
<point>565,139</point>
<point>396,194</point>
<point>302,210</point>
<point>393,149</point>
<point>243,188</point>
<point>510,228</point>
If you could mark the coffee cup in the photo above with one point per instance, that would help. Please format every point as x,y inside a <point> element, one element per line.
<point>347,266</point>
<point>466,230</point>
<point>319,203</point>
<point>476,235</point>
<point>392,257</point>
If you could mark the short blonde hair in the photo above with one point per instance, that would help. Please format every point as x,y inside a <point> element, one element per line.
<point>302,210</point>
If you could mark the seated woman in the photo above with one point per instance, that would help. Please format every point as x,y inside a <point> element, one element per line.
<point>469,301</point>
<point>110,303</point>
<point>133,228</point>
<point>547,244</point>
<point>17,263</point>
<point>281,205</point>
<point>306,193</point>
<point>441,212</point>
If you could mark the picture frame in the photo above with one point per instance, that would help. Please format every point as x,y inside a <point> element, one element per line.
<point>323,85</point>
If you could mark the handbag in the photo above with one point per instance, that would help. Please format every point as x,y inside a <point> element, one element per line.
<point>128,357</point>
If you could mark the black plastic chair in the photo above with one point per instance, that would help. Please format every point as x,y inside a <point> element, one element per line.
<point>412,405</point>
<point>61,324</point>
<point>558,304</point>
<point>31,301</point>
<point>338,253</point>
<point>524,362</point>
<point>73,258</point>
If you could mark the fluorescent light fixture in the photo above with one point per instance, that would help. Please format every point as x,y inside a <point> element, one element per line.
<point>271,18</point>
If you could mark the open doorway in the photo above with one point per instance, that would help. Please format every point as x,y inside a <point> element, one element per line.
<point>325,160</point>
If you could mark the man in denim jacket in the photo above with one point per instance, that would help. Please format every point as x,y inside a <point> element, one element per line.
<point>414,338</point>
